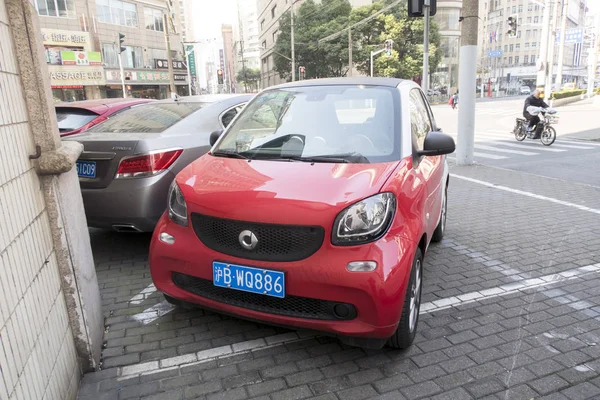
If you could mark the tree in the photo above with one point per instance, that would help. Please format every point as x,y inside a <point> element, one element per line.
<point>406,60</point>
<point>313,21</point>
<point>249,77</point>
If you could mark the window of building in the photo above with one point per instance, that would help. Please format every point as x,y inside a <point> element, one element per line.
<point>506,48</point>
<point>511,48</point>
<point>517,46</point>
<point>154,19</point>
<point>264,44</point>
<point>536,19</point>
<point>510,60</point>
<point>262,24</point>
<point>518,34</point>
<point>537,7</point>
<point>132,56</point>
<point>447,19</point>
<point>275,34</point>
<point>117,12</point>
<point>527,34</point>
<point>528,20</point>
<point>516,59</point>
<point>505,60</point>
<point>514,9</point>
<point>532,59</point>
<point>56,8</point>
<point>273,10</point>
<point>529,7</point>
<point>520,8</point>
<point>533,45</point>
<point>534,33</point>
<point>526,45</point>
<point>526,60</point>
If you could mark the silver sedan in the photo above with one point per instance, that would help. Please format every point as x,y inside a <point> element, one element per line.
<point>130,160</point>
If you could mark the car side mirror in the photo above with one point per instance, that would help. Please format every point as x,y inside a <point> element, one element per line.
<point>437,144</point>
<point>215,136</point>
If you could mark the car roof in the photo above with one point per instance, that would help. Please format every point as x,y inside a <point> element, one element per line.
<point>209,98</point>
<point>362,80</point>
<point>100,105</point>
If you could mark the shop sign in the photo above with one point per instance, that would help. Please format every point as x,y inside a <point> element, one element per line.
<point>65,38</point>
<point>144,77</point>
<point>76,76</point>
<point>164,64</point>
<point>81,57</point>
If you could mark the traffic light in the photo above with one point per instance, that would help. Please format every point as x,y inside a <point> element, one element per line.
<point>512,25</point>
<point>121,40</point>
<point>415,8</point>
<point>388,47</point>
<point>220,76</point>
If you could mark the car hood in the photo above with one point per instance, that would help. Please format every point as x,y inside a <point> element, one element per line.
<point>278,191</point>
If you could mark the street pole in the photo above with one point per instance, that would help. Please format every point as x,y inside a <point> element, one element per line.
<point>189,74</point>
<point>593,57</point>
<point>425,79</point>
<point>561,46</point>
<point>169,57</point>
<point>349,52</point>
<point>372,64</point>
<point>551,41</point>
<point>292,44</point>
<point>122,72</point>
<point>466,84</point>
<point>543,56</point>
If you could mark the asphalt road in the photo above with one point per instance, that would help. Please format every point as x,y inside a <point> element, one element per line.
<point>571,157</point>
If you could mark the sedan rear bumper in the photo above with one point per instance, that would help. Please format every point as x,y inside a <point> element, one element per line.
<point>134,204</point>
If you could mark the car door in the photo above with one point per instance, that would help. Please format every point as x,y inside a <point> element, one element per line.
<point>425,166</point>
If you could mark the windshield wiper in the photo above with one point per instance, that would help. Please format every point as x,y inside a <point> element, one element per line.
<point>229,154</point>
<point>332,158</point>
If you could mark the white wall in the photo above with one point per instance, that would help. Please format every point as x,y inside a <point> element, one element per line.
<point>37,352</point>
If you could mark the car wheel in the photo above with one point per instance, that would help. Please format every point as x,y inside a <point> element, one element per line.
<point>407,327</point>
<point>438,234</point>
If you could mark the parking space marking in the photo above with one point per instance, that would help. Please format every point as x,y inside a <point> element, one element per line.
<point>509,288</point>
<point>143,295</point>
<point>528,194</point>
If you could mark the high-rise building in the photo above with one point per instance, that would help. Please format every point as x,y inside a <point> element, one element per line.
<point>246,46</point>
<point>269,12</point>
<point>511,61</point>
<point>445,77</point>
<point>81,38</point>
<point>229,69</point>
<point>185,16</point>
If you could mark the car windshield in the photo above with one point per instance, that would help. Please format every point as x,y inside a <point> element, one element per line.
<point>151,118</point>
<point>71,118</point>
<point>338,123</point>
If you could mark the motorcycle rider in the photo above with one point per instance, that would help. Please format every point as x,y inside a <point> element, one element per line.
<point>535,101</point>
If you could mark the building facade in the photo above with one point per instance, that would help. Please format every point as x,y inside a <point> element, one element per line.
<point>445,77</point>
<point>227,64</point>
<point>81,40</point>
<point>246,44</point>
<point>51,322</point>
<point>513,61</point>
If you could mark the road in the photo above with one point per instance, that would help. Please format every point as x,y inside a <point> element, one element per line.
<point>568,158</point>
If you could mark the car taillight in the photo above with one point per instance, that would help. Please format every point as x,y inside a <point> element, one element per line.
<point>147,164</point>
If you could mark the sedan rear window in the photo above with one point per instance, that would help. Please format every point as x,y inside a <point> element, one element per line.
<point>350,123</point>
<point>71,118</point>
<point>152,118</point>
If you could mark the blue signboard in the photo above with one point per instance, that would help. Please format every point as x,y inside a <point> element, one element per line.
<point>494,53</point>
<point>574,35</point>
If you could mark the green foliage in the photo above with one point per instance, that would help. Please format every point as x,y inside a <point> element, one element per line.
<point>249,77</point>
<point>567,93</point>
<point>314,21</point>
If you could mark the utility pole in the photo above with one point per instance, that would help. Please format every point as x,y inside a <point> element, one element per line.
<point>292,44</point>
<point>593,56</point>
<point>121,71</point>
<point>551,41</point>
<point>241,28</point>
<point>169,57</point>
<point>425,79</point>
<point>467,82</point>
<point>543,57</point>
<point>349,52</point>
<point>561,46</point>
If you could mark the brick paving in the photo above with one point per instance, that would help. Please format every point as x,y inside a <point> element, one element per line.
<point>540,341</point>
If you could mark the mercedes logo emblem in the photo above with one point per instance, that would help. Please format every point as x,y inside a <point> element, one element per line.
<point>248,240</point>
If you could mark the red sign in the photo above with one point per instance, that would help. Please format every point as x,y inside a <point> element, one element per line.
<point>68,87</point>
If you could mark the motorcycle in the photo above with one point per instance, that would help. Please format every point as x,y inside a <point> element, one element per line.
<point>543,131</point>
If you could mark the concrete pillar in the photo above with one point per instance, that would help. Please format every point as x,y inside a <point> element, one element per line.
<point>62,195</point>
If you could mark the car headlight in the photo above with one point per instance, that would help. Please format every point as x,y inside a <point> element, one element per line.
<point>365,221</point>
<point>177,205</point>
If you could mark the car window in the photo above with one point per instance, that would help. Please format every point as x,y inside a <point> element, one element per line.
<point>71,118</point>
<point>319,120</point>
<point>420,125</point>
<point>228,116</point>
<point>152,118</point>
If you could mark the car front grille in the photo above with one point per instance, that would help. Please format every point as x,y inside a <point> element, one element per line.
<point>275,242</point>
<point>292,306</point>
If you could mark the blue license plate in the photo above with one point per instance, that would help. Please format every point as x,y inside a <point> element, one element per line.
<point>248,279</point>
<point>86,169</point>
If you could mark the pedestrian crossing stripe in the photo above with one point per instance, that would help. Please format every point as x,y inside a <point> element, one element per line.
<point>530,144</point>
<point>501,150</point>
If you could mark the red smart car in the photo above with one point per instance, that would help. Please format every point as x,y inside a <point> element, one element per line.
<point>314,209</point>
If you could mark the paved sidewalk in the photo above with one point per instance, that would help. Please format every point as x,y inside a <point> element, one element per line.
<point>511,310</point>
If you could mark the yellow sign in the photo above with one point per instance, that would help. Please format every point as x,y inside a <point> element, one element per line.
<point>62,75</point>
<point>55,37</point>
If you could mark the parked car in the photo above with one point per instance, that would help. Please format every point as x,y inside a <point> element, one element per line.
<point>130,160</point>
<point>314,209</point>
<point>525,90</point>
<point>79,116</point>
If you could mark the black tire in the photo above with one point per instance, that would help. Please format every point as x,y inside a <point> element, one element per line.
<point>548,136</point>
<point>407,327</point>
<point>440,229</point>
<point>518,131</point>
